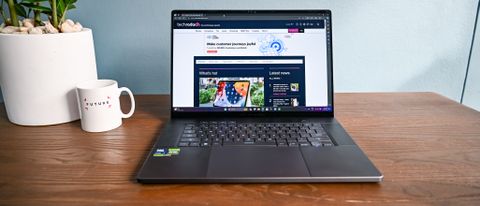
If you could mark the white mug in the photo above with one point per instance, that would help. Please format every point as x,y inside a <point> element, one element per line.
<point>99,105</point>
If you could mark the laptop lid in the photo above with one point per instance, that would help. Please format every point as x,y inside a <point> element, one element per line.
<point>259,63</point>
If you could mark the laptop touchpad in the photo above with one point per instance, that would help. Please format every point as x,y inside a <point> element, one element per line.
<point>246,161</point>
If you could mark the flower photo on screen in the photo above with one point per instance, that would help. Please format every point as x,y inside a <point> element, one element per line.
<point>231,92</point>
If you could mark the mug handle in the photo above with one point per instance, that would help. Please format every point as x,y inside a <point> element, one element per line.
<point>132,100</point>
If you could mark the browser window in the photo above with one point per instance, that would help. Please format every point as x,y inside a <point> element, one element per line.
<point>251,62</point>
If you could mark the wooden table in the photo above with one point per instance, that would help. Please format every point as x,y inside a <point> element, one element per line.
<point>427,146</point>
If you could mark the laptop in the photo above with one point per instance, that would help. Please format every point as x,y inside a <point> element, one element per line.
<point>252,102</point>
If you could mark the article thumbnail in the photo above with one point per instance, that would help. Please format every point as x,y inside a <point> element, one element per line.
<point>231,92</point>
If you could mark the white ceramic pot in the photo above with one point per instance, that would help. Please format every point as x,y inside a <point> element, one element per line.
<point>38,74</point>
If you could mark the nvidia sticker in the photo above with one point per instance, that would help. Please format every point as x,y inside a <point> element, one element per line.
<point>166,152</point>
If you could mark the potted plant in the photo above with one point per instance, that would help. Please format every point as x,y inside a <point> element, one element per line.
<point>42,61</point>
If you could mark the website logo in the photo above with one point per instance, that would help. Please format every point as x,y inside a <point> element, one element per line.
<point>189,24</point>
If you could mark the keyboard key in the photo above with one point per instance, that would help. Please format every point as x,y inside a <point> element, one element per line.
<point>316,144</point>
<point>231,143</point>
<point>183,144</point>
<point>305,135</point>
<point>320,136</point>
<point>293,144</point>
<point>325,141</point>
<point>194,144</point>
<point>249,142</point>
<point>260,144</point>
<point>189,135</point>
<point>291,140</point>
<point>282,141</point>
<point>273,144</point>
<point>189,139</point>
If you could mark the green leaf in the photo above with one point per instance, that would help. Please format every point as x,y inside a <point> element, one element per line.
<point>2,14</point>
<point>69,1</point>
<point>48,13</point>
<point>20,11</point>
<point>71,6</point>
<point>60,7</point>
<point>34,1</point>
<point>35,7</point>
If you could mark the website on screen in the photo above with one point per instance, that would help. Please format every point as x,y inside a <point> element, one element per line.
<point>250,65</point>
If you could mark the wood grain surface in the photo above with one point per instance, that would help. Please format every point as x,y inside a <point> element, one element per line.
<point>427,146</point>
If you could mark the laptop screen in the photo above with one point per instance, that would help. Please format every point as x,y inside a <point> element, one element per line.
<point>251,61</point>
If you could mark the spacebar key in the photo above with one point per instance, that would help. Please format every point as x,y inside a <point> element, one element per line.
<point>267,144</point>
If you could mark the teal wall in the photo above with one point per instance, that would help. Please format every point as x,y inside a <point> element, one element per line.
<point>472,87</point>
<point>379,46</point>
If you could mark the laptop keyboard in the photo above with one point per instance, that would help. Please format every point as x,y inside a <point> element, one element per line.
<point>231,133</point>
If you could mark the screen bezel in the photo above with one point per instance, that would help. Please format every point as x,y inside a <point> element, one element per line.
<point>176,114</point>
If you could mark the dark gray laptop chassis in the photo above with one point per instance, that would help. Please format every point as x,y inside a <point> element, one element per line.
<point>344,162</point>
